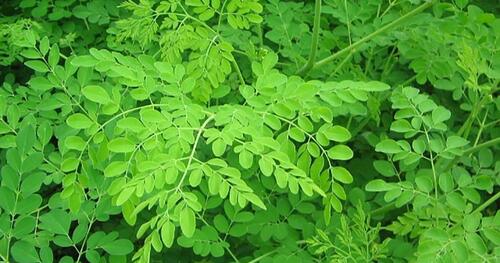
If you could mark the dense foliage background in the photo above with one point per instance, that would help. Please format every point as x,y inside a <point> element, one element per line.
<point>249,131</point>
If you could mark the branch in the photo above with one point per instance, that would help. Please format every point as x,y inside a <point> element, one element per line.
<point>487,203</point>
<point>315,37</point>
<point>474,149</point>
<point>193,151</point>
<point>478,147</point>
<point>369,37</point>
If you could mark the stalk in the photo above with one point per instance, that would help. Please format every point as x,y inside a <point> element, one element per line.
<point>315,37</point>
<point>474,149</point>
<point>369,37</point>
<point>478,147</point>
<point>487,203</point>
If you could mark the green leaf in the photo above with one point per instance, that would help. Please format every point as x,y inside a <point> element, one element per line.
<point>209,13</point>
<point>305,124</point>
<point>194,3</point>
<point>8,198</point>
<point>41,84</point>
<point>456,201</point>
<point>46,254</point>
<point>216,250</point>
<point>493,235</point>
<point>375,86</point>
<point>125,195</point>
<point>45,132</point>
<point>131,124</point>
<point>410,92</point>
<point>472,221</point>
<point>378,185</point>
<point>33,182</point>
<point>296,134</point>
<point>272,121</point>
<point>390,195</point>
<point>419,145</point>
<point>25,139</point>
<point>75,143</point>
<point>118,247</point>
<point>115,168</point>
<point>168,234</point>
<point>446,182</point>
<point>56,221</point>
<point>388,146</point>
<point>427,105</point>
<point>152,116</point>
<point>92,255</point>
<point>384,167</point>
<point>37,65</point>
<point>246,159</point>
<point>401,126</point>
<point>84,61</point>
<point>7,141</point>
<point>218,147</point>
<point>460,250</point>
<point>32,162</point>
<point>440,114</point>
<point>281,178</point>
<point>476,243</point>
<point>340,152</point>
<point>336,204</point>
<point>254,199</point>
<point>24,252</point>
<point>456,142</point>
<point>69,164</point>
<point>313,149</point>
<point>269,61</point>
<point>54,55</point>
<point>342,174</point>
<point>121,145</point>
<point>44,45</point>
<point>195,177</point>
<point>187,220</point>
<point>221,223</point>
<point>96,94</point>
<point>424,183</point>
<point>337,133</point>
<point>31,53</point>
<point>79,121</point>
<point>437,234</point>
<point>461,3</point>
<point>282,110</point>
<point>266,165</point>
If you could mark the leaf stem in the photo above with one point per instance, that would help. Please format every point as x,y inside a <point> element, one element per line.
<point>383,209</point>
<point>478,147</point>
<point>487,203</point>
<point>474,149</point>
<point>314,43</point>
<point>238,71</point>
<point>342,63</point>
<point>258,259</point>
<point>465,129</point>
<point>434,173</point>
<point>372,35</point>
<point>193,151</point>
<point>92,220</point>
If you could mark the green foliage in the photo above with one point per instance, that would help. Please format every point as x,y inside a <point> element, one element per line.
<point>354,241</point>
<point>231,131</point>
<point>190,32</point>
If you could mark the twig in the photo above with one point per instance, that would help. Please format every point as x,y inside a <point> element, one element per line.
<point>314,43</point>
<point>372,35</point>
